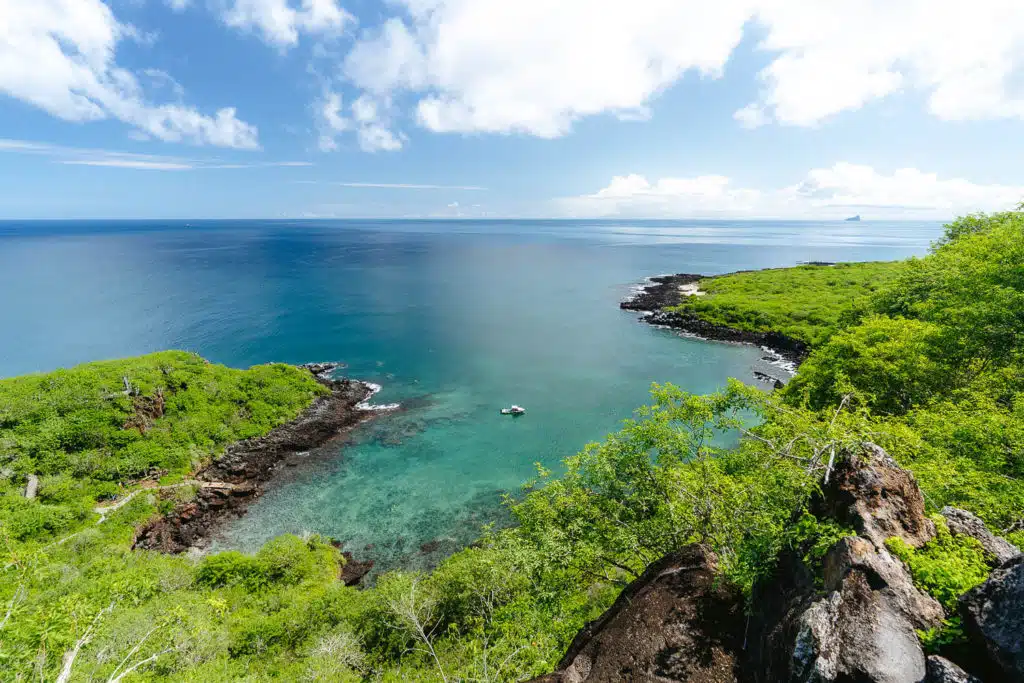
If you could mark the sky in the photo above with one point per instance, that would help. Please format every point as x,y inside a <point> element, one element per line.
<point>510,108</point>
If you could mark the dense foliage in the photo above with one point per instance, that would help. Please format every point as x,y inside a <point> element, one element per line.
<point>922,357</point>
<point>806,302</point>
<point>86,433</point>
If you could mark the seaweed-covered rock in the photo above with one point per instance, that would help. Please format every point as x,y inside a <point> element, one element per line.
<point>963,523</point>
<point>993,618</point>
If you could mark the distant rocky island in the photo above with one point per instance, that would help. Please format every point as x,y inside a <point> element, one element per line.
<point>853,219</point>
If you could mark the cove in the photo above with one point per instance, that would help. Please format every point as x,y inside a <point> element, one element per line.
<point>453,319</point>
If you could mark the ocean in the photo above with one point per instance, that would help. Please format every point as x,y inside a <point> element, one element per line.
<point>455,319</point>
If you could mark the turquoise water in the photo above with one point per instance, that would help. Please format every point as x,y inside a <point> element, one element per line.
<point>455,320</point>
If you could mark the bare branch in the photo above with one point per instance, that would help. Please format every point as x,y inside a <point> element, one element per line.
<point>20,594</point>
<point>142,662</point>
<point>72,654</point>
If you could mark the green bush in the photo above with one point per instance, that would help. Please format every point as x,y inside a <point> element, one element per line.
<point>945,568</point>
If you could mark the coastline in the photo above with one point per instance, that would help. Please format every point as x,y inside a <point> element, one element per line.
<point>663,291</point>
<point>238,476</point>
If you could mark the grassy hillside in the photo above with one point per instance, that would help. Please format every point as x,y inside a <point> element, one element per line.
<point>90,432</point>
<point>806,303</point>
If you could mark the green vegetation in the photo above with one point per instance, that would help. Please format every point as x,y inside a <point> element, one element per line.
<point>926,362</point>
<point>945,568</point>
<point>807,303</point>
<point>88,432</point>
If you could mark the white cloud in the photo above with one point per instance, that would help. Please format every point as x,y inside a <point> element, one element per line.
<point>838,56</point>
<point>58,55</point>
<point>536,67</point>
<point>394,186</point>
<point>128,163</point>
<point>533,66</point>
<point>370,120</point>
<point>279,22</point>
<point>833,192</point>
<point>79,156</point>
<point>178,5</point>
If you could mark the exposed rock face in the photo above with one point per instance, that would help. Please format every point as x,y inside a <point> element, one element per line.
<point>864,627</point>
<point>941,670</point>
<point>964,523</point>
<point>864,630</point>
<point>674,623</point>
<point>353,570</point>
<point>146,409</point>
<point>993,618</point>
<point>870,492</point>
<point>248,464</point>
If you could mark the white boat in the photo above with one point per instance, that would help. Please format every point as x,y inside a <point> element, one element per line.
<point>513,410</point>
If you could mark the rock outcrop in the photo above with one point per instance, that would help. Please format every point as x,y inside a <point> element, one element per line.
<point>963,523</point>
<point>677,622</point>
<point>871,493</point>
<point>857,624</point>
<point>864,627</point>
<point>941,670</point>
<point>993,618</point>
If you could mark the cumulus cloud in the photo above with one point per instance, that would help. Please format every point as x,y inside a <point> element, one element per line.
<point>368,117</point>
<point>536,67</point>
<point>178,5</point>
<point>838,56</point>
<point>823,193</point>
<point>58,55</point>
<point>279,22</point>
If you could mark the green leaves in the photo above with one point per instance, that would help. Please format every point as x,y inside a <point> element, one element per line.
<point>945,568</point>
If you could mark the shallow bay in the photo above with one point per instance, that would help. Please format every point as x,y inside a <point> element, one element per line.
<point>454,319</point>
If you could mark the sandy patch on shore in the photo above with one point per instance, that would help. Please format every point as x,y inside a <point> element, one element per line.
<point>692,289</point>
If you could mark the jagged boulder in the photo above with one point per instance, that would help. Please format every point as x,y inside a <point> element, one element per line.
<point>865,628</point>
<point>870,492</point>
<point>993,618</point>
<point>963,523</point>
<point>678,622</point>
<point>941,670</point>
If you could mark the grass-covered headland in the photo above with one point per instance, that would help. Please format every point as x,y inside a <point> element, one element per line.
<point>807,302</point>
<point>926,362</point>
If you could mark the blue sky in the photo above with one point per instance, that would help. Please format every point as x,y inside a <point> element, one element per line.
<point>580,108</point>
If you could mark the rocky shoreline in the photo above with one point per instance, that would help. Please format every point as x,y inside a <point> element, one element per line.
<point>664,291</point>
<point>238,476</point>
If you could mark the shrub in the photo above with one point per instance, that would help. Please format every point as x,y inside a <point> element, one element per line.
<point>945,568</point>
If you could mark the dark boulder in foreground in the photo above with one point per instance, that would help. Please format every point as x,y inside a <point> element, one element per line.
<point>941,670</point>
<point>677,622</point>
<point>993,618</point>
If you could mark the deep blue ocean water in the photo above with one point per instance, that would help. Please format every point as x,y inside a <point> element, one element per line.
<point>455,319</point>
